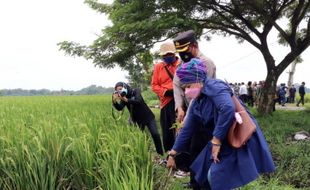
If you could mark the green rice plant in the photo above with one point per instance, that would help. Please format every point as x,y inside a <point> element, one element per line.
<point>70,143</point>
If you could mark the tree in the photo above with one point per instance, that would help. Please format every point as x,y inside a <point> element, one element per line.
<point>140,70</point>
<point>139,24</point>
<point>291,72</point>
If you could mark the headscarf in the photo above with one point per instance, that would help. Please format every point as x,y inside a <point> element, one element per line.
<point>192,72</point>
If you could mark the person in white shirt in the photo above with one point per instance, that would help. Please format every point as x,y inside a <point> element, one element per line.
<point>243,92</point>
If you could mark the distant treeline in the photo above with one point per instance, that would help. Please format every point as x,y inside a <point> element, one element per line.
<point>93,89</point>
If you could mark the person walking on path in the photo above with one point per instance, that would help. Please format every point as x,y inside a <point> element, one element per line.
<point>236,89</point>
<point>162,85</point>
<point>302,93</point>
<point>292,93</point>
<point>250,96</point>
<point>243,92</point>
<point>218,166</point>
<point>140,113</point>
<point>259,91</point>
<point>282,93</point>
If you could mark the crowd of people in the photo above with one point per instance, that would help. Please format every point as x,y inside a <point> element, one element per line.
<point>189,93</point>
<point>251,93</point>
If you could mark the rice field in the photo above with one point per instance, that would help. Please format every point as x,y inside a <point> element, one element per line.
<point>73,142</point>
<point>70,142</point>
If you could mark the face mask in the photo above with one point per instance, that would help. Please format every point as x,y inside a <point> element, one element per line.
<point>186,56</point>
<point>169,60</point>
<point>192,93</point>
<point>122,92</point>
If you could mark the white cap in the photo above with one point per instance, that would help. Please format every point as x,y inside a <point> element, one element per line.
<point>167,47</point>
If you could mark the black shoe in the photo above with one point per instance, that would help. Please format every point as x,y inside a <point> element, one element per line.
<point>163,162</point>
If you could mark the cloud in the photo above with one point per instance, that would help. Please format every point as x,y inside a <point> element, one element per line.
<point>30,59</point>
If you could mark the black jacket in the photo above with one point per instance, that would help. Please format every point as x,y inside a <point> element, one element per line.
<point>140,113</point>
<point>302,90</point>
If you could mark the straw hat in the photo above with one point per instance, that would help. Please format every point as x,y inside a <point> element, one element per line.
<point>167,47</point>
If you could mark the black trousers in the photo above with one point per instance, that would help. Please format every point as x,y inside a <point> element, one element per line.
<point>250,101</point>
<point>291,99</point>
<point>155,135</point>
<point>301,100</point>
<point>167,119</point>
<point>244,98</point>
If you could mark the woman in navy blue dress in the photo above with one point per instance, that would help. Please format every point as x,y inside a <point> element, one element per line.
<point>219,166</point>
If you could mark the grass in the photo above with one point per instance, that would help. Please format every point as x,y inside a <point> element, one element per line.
<point>292,158</point>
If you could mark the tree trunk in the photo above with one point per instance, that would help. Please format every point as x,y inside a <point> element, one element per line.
<point>291,74</point>
<point>266,102</point>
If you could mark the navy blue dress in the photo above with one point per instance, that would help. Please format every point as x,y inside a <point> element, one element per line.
<point>237,167</point>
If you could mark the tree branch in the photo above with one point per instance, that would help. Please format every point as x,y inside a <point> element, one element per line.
<point>288,59</point>
<point>268,26</point>
<point>304,11</point>
<point>236,13</point>
<point>243,34</point>
<point>295,22</point>
<point>306,41</point>
<point>272,19</point>
<point>308,30</point>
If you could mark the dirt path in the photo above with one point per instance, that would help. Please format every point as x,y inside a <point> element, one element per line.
<point>292,107</point>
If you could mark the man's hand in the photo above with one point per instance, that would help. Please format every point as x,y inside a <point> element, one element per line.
<point>180,115</point>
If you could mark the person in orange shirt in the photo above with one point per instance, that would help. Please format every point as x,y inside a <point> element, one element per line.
<point>162,85</point>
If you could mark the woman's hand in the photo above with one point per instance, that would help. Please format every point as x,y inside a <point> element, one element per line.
<point>215,153</point>
<point>115,97</point>
<point>178,128</point>
<point>123,98</point>
<point>216,146</point>
<point>171,162</point>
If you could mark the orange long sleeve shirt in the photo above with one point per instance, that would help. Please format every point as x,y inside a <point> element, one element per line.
<point>161,81</point>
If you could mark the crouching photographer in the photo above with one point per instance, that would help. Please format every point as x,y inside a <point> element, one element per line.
<point>140,113</point>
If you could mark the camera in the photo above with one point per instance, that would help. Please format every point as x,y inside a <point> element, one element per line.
<point>122,93</point>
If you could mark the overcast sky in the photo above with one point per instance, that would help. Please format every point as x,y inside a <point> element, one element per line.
<point>30,59</point>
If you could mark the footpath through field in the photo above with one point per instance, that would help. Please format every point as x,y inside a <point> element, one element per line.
<point>291,107</point>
